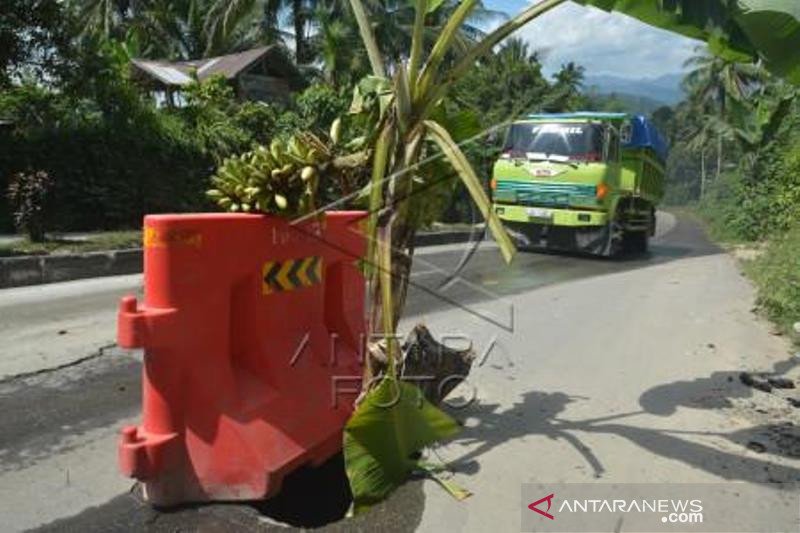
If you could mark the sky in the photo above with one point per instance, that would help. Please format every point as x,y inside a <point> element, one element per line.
<point>604,43</point>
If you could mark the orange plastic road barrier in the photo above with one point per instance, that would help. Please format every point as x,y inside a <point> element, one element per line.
<point>252,329</point>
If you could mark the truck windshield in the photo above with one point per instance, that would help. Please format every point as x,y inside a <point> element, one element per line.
<point>579,142</point>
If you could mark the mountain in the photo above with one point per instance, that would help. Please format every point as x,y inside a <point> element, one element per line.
<point>623,102</point>
<point>665,89</point>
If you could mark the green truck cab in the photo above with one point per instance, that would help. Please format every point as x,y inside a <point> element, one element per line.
<point>585,182</point>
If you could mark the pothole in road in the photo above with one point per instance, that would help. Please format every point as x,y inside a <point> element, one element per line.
<point>311,496</point>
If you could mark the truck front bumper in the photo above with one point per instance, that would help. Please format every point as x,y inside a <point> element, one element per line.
<point>550,217</point>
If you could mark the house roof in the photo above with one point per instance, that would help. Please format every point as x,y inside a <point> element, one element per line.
<point>229,66</point>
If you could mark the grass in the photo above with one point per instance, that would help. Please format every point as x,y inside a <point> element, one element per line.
<point>713,222</point>
<point>111,240</point>
<point>776,274</point>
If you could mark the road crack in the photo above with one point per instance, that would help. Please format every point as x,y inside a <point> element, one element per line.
<point>34,373</point>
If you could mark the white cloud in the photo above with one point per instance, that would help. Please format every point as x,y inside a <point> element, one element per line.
<point>605,43</point>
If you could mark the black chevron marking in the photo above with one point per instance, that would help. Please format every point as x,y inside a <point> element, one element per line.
<point>292,275</point>
<point>270,277</point>
<point>311,270</point>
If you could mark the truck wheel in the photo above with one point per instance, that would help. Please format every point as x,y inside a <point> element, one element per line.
<point>637,242</point>
<point>615,240</point>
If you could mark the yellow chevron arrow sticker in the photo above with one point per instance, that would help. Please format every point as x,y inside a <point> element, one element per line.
<point>283,275</point>
<point>278,276</point>
<point>302,272</point>
<point>318,269</point>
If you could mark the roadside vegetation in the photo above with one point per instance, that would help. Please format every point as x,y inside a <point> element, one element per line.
<point>70,244</point>
<point>776,272</point>
<point>735,161</point>
<point>69,107</point>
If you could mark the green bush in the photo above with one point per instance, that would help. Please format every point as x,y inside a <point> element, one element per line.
<point>109,168</point>
<point>776,274</point>
<point>758,200</point>
<point>258,119</point>
<point>734,209</point>
<point>780,179</point>
<point>319,105</point>
<point>114,157</point>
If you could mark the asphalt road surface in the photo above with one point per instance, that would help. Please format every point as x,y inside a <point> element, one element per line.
<point>589,371</point>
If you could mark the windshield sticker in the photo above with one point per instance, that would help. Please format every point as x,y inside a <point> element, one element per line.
<point>558,128</point>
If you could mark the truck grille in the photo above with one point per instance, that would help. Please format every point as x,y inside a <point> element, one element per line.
<point>543,193</point>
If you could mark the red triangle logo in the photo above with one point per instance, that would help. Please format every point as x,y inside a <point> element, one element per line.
<point>546,514</point>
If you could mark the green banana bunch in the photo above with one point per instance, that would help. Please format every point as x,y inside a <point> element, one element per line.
<point>282,178</point>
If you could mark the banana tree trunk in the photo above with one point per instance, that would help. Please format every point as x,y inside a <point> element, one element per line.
<point>402,255</point>
<point>719,158</point>
<point>419,354</point>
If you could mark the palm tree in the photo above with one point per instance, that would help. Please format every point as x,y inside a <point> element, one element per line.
<point>226,16</point>
<point>567,87</point>
<point>517,51</point>
<point>715,84</point>
<point>171,29</point>
<point>514,68</point>
<point>337,45</point>
<point>102,17</point>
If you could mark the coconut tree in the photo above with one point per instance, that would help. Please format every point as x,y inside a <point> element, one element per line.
<point>337,45</point>
<point>714,85</point>
<point>516,69</point>
<point>102,17</point>
<point>225,17</point>
<point>567,87</point>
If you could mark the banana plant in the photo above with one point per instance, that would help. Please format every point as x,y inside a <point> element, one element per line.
<point>377,439</point>
<point>381,437</point>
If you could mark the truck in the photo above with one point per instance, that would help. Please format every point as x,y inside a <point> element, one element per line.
<point>587,182</point>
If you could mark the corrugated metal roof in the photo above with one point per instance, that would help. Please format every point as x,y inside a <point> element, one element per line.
<point>231,65</point>
<point>182,72</point>
<point>167,74</point>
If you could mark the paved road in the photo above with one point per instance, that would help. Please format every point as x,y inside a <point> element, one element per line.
<point>593,370</point>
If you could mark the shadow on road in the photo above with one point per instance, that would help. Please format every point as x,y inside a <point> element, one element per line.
<point>534,415</point>
<point>538,414</point>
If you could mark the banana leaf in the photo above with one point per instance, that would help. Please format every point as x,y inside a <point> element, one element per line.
<point>467,174</point>
<point>738,30</point>
<point>368,37</point>
<point>392,422</point>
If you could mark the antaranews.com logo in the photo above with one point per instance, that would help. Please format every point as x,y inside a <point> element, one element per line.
<point>672,511</point>
<point>711,507</point>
